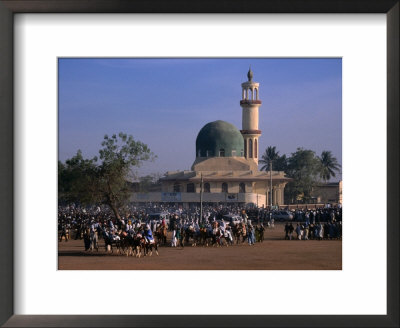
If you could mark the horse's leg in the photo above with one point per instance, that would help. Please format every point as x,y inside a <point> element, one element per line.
<point>156,249</point>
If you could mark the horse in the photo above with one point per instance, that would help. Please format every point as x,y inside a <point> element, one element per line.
<point>240,233</point>
<point>64,232</point>
<point>161,234</point>
<point>218,237</point>
<point>110,241</point>
<point>191,233</point>
<point>148,246</point>
<point>196,237</point>
<point>227,236</point>
<point>132,244</point>
<point>93,239</point>
<point>261,230</point>
<point>206,237</point>
<point>203,236</point>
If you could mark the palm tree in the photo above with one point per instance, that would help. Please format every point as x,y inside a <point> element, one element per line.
<point>270,154</point>
<point>329,165</point>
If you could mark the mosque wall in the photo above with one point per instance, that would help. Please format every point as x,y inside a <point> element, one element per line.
<point>186,198</point>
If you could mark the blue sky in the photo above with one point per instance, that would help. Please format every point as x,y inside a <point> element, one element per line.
<point>165,102</point>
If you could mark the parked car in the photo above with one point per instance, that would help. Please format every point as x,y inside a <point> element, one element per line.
<point>232,219</point>
<point>159,217</point>
<point>282,216</point>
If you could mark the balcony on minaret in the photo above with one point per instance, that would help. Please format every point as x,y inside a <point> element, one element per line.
<point>250,102</point>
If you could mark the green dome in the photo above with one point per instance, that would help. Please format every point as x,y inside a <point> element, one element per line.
<point>219,138</point>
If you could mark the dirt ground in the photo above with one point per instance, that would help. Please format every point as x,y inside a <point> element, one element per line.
<point>274,253</point>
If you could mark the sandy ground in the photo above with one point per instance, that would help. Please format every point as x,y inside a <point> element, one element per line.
<point>274,253</point>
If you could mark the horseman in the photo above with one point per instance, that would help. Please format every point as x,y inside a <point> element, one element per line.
<point>228,235</point>
<point>174,237</point>
<point>128,226</point>
<point>148,234</point>
<point>111,225</point>
<point>223,226</point>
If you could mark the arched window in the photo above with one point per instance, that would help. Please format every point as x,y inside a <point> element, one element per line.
<point>241,153</point>
<point>222,152</point>
<point>245,148</point>
<point>250,148</point>
<point>177,187</point>
<point>255,148</point>
<point>256,93</point>
<point>233,153</point>
<point>224,187</point>
<point>190,187</point>
<point>242,187</point>
<point>199,153</point>
<point>206,187</point>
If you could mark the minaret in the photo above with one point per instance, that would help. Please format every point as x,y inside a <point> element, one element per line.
<point>250,104</point>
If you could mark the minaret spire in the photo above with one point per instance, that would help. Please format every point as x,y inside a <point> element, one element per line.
<point>250,74</point>
<point>250,104</point>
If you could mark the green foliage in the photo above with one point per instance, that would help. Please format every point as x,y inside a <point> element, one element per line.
<point>103,180</point>
<point>304,168</point>
<point>328,166</point>
<point>75,177</point>
<point>149,183</point>
<point>279,163</point>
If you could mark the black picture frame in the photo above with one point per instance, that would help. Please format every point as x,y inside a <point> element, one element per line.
<point>10,7</point>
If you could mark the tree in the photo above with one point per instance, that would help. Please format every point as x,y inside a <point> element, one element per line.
<point>328,165</point>
<point>76,173</point>
<point>149,183</point>
<point>279,163</point>
<point>103,180</point>
<point>304,169</point>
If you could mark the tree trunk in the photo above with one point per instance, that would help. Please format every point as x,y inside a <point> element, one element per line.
<point>115,210</point>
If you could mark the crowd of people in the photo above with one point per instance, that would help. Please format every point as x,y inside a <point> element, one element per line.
<point>188,225</point>
<point>305,231</point>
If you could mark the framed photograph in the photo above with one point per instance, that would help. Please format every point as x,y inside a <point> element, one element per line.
<point>66,64</point>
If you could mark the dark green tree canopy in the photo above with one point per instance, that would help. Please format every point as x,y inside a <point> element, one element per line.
<point>279,163</point>
<point>103,180</point>
<point>329,166</point>
<point>304,167</point>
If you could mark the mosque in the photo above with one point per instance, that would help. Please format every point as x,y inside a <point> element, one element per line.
<point>225,169</point>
